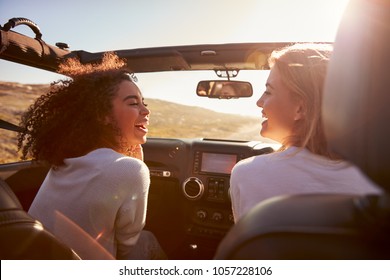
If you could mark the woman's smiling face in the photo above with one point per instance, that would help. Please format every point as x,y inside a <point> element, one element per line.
<point>280,109</point>
<point>130,114</point>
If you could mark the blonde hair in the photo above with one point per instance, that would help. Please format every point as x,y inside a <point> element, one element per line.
<point>303,69</point>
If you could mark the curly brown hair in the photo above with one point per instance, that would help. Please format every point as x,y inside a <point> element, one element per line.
<point>69,121</point>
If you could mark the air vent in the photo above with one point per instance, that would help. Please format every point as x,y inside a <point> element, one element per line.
<point>193,188</point>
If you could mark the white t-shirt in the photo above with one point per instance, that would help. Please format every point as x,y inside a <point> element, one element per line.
<point>104,193</point>
<point>290,172</point>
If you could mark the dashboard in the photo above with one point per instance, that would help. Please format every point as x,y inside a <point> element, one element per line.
<point>189,202</point>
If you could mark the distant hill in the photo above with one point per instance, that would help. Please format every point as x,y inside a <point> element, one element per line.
<point>168,119</point>
<point>181,121</point>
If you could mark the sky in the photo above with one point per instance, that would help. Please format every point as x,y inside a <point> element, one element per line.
<point>96,25</point>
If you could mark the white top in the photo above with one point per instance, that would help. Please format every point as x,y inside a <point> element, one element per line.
<point>104,193</point>
<point>289,172</point>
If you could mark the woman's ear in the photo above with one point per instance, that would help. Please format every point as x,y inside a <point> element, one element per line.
<point>300,112</point>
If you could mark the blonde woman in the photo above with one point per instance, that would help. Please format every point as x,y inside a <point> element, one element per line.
<point>291,111</point>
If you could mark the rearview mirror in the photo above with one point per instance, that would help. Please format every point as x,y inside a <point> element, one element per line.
<point>224,89</point>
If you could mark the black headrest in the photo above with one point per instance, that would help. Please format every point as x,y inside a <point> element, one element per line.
<point>356,108</point>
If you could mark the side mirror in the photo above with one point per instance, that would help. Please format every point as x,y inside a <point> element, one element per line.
<point>224,89</point>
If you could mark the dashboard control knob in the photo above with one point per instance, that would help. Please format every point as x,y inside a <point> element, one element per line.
<point>217,217</point>
<point>201,214</point>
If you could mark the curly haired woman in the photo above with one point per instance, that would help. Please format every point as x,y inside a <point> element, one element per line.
<point>90,129</point>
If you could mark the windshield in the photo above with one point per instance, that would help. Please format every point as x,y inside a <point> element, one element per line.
<point>178,112</point>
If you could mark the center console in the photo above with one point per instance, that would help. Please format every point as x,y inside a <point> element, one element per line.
<point>209,185</point>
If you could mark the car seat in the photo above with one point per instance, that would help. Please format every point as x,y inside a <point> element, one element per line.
<point>356,118</point>
<point>24,238</point>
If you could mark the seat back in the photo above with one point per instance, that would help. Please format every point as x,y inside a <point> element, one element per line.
<point>356,120</point>
<point>24,238</point>
<point>357,90</point>
<point>311,226</point>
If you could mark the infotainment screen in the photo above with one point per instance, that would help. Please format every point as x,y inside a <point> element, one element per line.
<point>218,163</point>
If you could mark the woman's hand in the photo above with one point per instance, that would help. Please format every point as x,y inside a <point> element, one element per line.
<point>136,151</point>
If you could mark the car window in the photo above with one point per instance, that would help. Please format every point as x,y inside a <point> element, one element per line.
<point>176,110</point>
